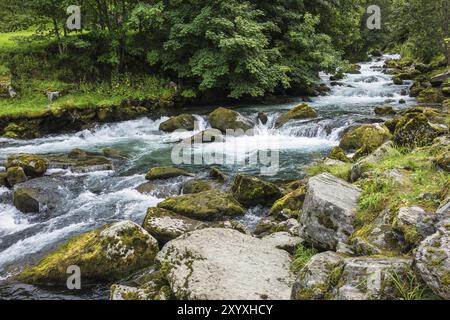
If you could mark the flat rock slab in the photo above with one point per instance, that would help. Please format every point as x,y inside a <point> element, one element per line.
<point>221,264</point>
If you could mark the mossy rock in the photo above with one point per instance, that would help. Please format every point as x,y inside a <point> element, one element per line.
<point>253,191</point>
<point>224,119</point>
<point>302,111</point>
<point>27,200</point>
<point>367,136</point>
<point>207,205</point>
<point>33,165</point>
<point>196,186</point>
<point>431,95</point>
<point>385,111</point>
<point>217,174</point>
<point>413,130</point>
<point>183,121</point>
<point>3,180</point>
<point>416,89</point>
<point>163,173</point>
<point>353,69</point>
<point>109,253</point>
<point>15,175</point>
<point>443,161</point>
<point>397,80</point>
<point>338,154</point>
<point>80,161</point>
<point>338,76</point>
<point>166,225</point>
<point>290,205</point>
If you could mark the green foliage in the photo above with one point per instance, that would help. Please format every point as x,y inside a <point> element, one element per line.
<point>340,170</point>
<point>301,258</point>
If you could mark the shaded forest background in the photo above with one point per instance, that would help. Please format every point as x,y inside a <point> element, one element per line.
<point>238,48</point>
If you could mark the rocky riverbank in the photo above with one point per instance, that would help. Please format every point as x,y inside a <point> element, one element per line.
<point>369,221</point>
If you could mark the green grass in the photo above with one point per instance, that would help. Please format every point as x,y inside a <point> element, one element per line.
<point>340,171</point>
<point>32,100</point>
<point>380,192</point>
<point>301,258</point>
<point>8,39</point>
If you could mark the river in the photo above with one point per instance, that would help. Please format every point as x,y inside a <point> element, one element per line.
<point>93,199</point>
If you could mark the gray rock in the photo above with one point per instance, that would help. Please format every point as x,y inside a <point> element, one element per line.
<point>318,276</point>
<point>371,278</point>
<point>432,260</point>
<point>359,168</point>
<point>12,92</point>
<point>439,79</point>
<point>165,225</point>
<point>223,264</point>
<point>283,241</point>
<point>328,211</point>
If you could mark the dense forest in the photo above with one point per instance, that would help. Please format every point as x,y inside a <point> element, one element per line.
<point>241,48</point>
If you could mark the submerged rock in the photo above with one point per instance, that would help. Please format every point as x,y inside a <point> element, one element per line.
<point>224,264</point>
<point>432,260</point>
<point>33,165</point>
<point>206,205</point>
<point>302,111</point>
<point>253,191</point>
<point>183,121</point>
<point>329,211</point>
<point>80,161</point>
<point>163,173</point>
<point>108,253</point>
<point>223,119</point>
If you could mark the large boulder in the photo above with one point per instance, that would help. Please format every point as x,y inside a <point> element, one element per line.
<point>367,137</point>
<point>33,165</point>
<point>432,260</point>
<point>414,129</point>
<point>284,241</point>
<point>302,111</point>
<point>183,121</point>
<point>318,276</point>
<point>163,173</point>
<point>165,225</point>
<point>224,119</point>
<point>329,211</point>
<point>111,252</point>
<point>253,191</point>
<point>224,264</point>
<point>206,205</point>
